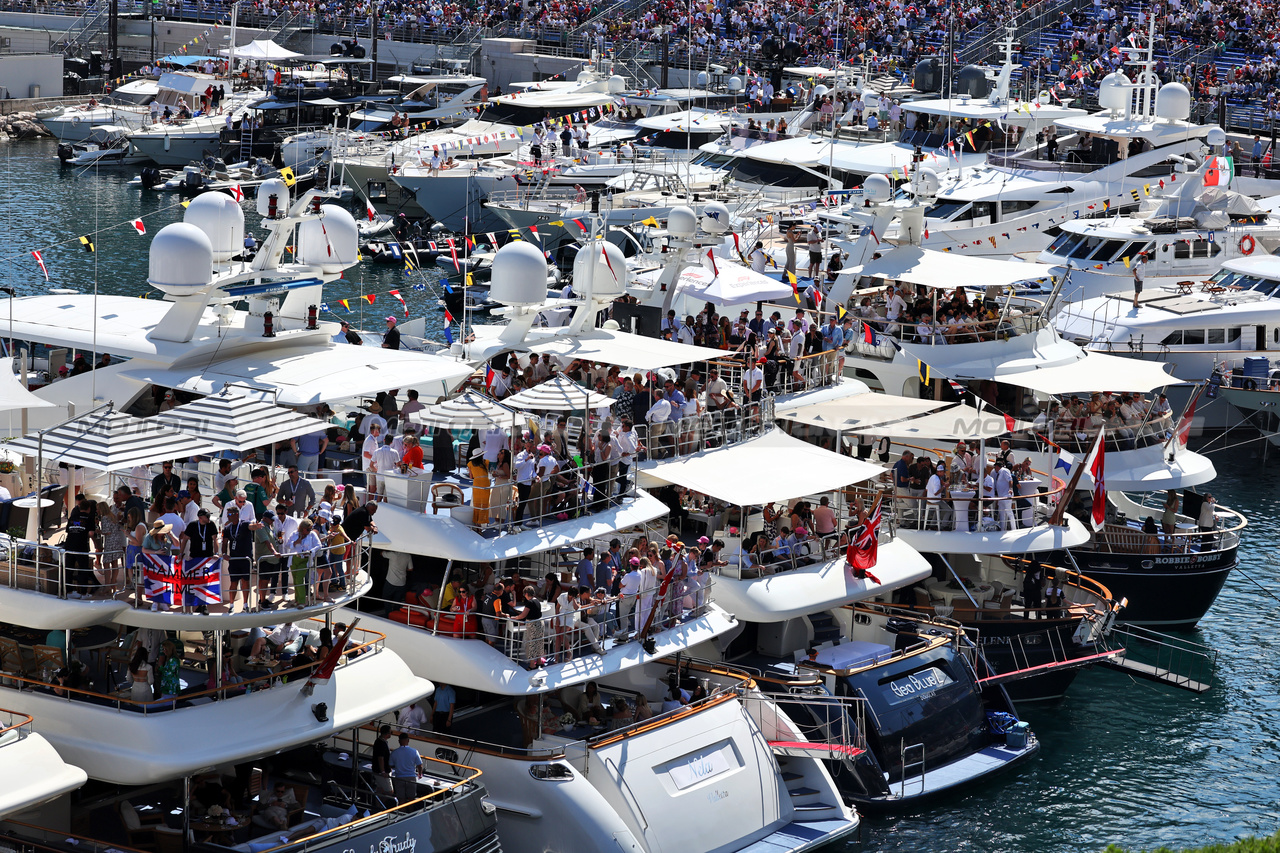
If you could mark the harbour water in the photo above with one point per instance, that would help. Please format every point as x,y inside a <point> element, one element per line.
<point>1122,761</point>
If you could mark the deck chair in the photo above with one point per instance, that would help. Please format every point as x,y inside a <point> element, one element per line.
<point>445,496</point>
<point>11,656</point>
<point>51,657</point>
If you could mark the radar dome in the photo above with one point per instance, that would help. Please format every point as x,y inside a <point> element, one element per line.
<point>702,79</point>
<point>1217,137</point>
<point>971,81</point>
<point>1111,92</point>
<point>181,260</point>
<point>519,274</point>
<point>682,222</point>
<point>927,76</point>
<point>877,189</point>
<point>1043,98</point>
<point>221,219</point>
<point>330,241</point>
<point>617,85</point>
<point>735,83</point>
<point>1173,102</point>
<point>929,183</point>
<point>585,76</point>
<point>608,278</point>
<point>820,91</point>
<point>273,187</point>
<point>715,218</point>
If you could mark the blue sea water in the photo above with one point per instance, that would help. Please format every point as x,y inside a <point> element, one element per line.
<point>1122,760</point>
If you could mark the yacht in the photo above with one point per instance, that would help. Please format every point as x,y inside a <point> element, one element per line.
<point>34,772</point>
<point>70,125</point>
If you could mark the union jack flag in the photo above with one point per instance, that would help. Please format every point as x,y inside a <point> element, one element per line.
<point>862,552</point>
<point>198,582</point>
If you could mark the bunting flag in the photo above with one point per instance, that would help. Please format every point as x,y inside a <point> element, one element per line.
<point>1106,204</point>
<point>1135,195</point>
<point>650,221</point>
<point>289,177</point>
<point>403,304</point>
<point>533,229</point>
<point>345,304</point>
<point>711,256</point>
<point>139,226</point>
<point>488,376</point>
<point>448,318</point>
<point>87,243</point>
<point>236,192</point>
<point>609,263</point>
<point>408,265</point>
<point>369,297</point>
<point>922,370</point>
<point>957,387</point>
<point>868,334</point>
<point>40,260</point>
<point>1010,425</point>
<point>1126,262</point>
<point>1096,465</point>
<point>324,306</point>
<point>993,241</point>
<point>840,312</point>
<point>795,290</point>
<point>453,253</point>
<point>869,230</point>
<point>369,211</point>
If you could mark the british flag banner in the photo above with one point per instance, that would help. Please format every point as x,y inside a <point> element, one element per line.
<point>195,583</point>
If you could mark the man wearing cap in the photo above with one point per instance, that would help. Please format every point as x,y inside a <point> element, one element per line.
<point>391,338</point>
<point>200,538</point>
<point>237,548</point>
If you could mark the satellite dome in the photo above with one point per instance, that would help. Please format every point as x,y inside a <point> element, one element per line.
<point>1111,92</point>
<point>682,222</point>
<point>330,241</point>
<point>181,260</point>
<point>1173,102</point>
<point>715,218</point>
<point>519,274</point>
<point>735,83</point>
<point>585,76</point>
<point>608,278</point>
<point>221,219</point>
<point>1216,137</point>
<point>972,81</point>
<point>877,189</point>
<point>702,80</point>
<point>929,183</point>
<point>617,85</point>
<point>927,76</point>
<point>273,187</point>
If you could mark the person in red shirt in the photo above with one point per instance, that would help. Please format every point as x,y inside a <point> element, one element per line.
<point>412,457</point>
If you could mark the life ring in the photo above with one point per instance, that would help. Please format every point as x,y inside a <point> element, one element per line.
<point>1247,244</point>
<point>1249,385</point>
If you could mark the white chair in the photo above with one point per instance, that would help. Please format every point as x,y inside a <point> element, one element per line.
<point>932,508</point>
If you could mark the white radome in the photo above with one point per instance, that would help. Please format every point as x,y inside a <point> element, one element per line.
<point>519,275</point>
<point>181,260</point>
<point>221,219</point>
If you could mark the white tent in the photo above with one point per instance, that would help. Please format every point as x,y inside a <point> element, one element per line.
<point>13,395</point>
<point>730,284</point>
<point>928,268</point>
<point>261,49</point>
<point>618,347</point>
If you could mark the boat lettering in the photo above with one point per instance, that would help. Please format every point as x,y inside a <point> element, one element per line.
<point>717,795</point>
<point>919,683</point>
<point>391,844</point>
<point>698,767</point>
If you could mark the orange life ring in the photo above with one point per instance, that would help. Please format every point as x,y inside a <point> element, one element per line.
<point>1247,244</point>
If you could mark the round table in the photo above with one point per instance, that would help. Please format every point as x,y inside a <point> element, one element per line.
<point>33,506</point>
<point>960,501</point>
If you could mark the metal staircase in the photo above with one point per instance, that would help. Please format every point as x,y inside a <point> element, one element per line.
<point>83,30</point>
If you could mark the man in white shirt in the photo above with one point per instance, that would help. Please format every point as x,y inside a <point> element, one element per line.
<point>630,593</point>
<point>1160,408</point>
<point>1004,490</point>
<point>685,335</point>
<point>526,467</point>
<point>501,385</point>
<point>385,461</point>
<point>657,416</point>
<point>542,368</point>
<point>492,441</point>
<point>372,442</point>
<point>187,508</point>
<point>172,517</point>
<point>545,478</point>
<point>935,491</point>
<point>412,718</point>
<point>626,444</point>
<point>925,330</point>
<point>240,502</point>
<point>758,257</point>
<point>894,305</point>
<point>753,382</point>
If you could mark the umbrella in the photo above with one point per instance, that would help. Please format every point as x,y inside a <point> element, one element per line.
<point>107,440</point>
<point>237,422</point>
<point>12,393</point>
<point>468,409</point>
<point>559,393</point>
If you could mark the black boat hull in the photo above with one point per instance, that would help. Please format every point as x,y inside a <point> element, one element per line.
<point>1170,592</point>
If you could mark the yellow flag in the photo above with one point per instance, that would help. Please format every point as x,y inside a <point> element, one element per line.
<point>840,312</point>
<point>1146,188</point>
<point>650,221</point>
<point>1126,261</point>
<point>557,222</point>
<point>470,281</point>
<point>289,177</point>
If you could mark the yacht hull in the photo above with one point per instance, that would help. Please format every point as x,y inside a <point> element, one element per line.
<point>1165,591</point>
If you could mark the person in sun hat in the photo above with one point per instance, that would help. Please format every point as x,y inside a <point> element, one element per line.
<point>391,338</point>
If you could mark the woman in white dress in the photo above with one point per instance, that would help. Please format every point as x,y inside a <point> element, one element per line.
<point>142,676</point>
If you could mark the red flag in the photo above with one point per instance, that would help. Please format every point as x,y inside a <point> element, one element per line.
<point>453,253</point>
<point>867,334</point>
<point>1096,463</point>
<point>139,226</point>
<point>368,208</point>
<point>1009,425</point>
<point>403,304</point>
<point>236,192</point>
<point>863,550</point>
<point>40,260</point>
<point>1184,423</point>
<point>711,256</point>
<point>609,263</point>
<point>448,318</point>
<point>369,297</point>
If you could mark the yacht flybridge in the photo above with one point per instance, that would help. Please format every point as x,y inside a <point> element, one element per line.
<point>31,771</point>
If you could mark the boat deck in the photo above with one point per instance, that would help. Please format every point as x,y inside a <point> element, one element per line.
<point>802,835</point>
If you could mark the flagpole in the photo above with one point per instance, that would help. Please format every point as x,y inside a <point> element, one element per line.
<point>1056,519</point>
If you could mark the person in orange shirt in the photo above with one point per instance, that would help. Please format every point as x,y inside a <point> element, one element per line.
<point>412,457</point>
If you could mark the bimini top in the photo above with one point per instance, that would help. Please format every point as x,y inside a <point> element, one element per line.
<point>614,347</point>
<point>903,417</point>
<point>772,467</point>
<point>929,268</point>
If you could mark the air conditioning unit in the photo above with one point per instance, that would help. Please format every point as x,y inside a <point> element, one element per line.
<point>4,43</point>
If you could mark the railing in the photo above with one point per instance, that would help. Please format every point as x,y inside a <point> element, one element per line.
<point>14,721</point>
<point>686,436</point>
<point>1177,660</point>
<point>563,634</point>
<point>1078,434</point>
<point>372,642</point>
<point>60,572</point>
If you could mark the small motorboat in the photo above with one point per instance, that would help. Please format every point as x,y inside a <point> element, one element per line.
<point>106,145</point>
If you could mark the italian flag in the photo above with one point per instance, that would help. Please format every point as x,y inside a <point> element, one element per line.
<point>1218,172</point>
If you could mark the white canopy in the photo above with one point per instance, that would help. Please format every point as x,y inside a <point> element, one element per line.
<point>902,417</point>
<point>468,409</point>
<point>313,373</point>
<point>1096,371</point>
<point>234,421</point>
<point>624,348</point>
<point>558,394</point>
<point>928,268</point>
<point>954,423</point>
<point>13,395</point>
<point>772,467</point>
<point>263,49</point>
<point>107,440</point>
<point>732,284</point>
<point>858,411</point>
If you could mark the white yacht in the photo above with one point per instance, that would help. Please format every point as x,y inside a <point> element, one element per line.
<point>177,143</point>
<point>33,772</point>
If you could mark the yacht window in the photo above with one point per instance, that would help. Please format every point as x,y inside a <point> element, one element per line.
<point>1217,336</point>
<point>1062,240</point>
<point>1233,335</point>
<point>1108,250</point>
<point>945,210</point>
<point>1196,249</point>
<point>1172,339</point>
<point>1192,337</point>
<point>1013,208</point>
<point>1085,248</point>
<point>983,208</point>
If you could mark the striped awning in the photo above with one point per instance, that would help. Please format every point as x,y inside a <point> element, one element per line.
<point>468,409</point>
<point>107,440</point>
<point>233,421</point>
<point>558,394</point>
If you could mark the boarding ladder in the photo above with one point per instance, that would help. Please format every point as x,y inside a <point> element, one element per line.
<point>905,751</point>
<point>246,141</point>
<point>1161,658</point>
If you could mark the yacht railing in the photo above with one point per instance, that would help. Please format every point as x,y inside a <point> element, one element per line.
<point>45,680</point>
<point>13,721</point>
<point>569,633</point>
<point>1027,160</point>
<point>691,434</point>
<point>1078,434</point>
<point>60,572</point>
